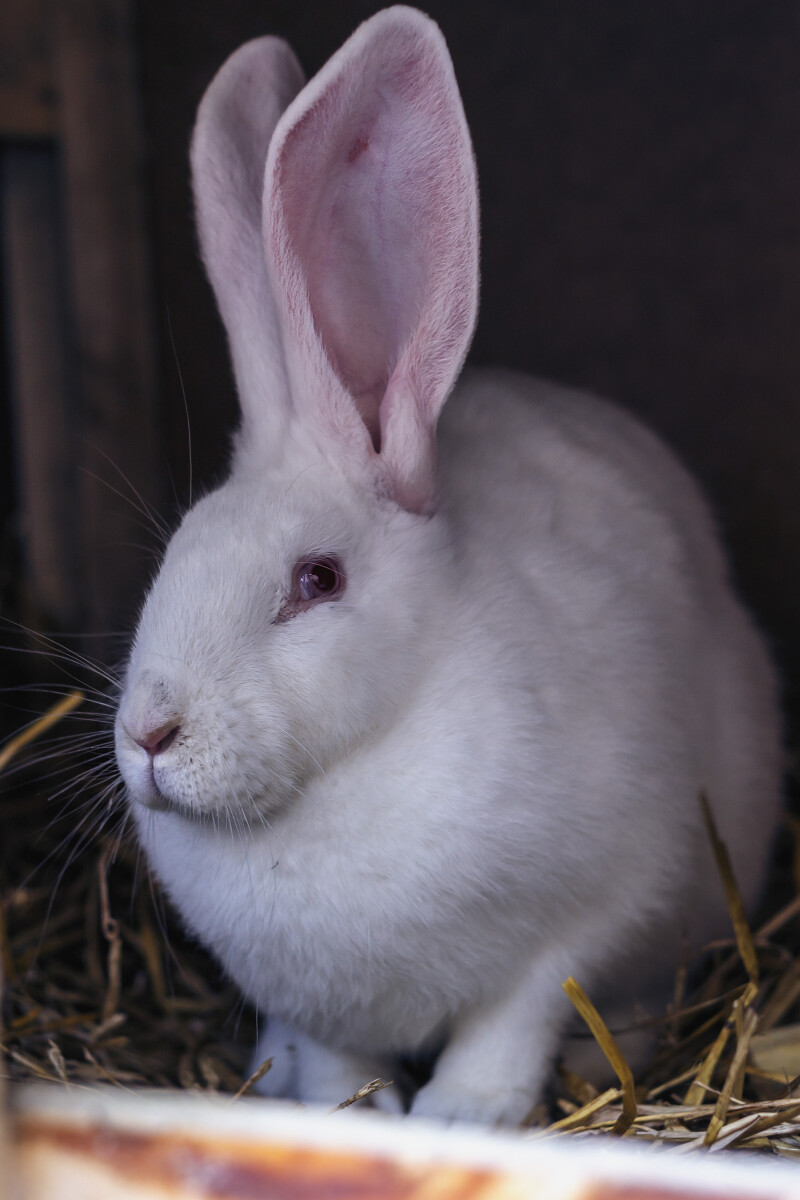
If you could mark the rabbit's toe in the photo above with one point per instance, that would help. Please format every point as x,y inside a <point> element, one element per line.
<point>488,1106</point>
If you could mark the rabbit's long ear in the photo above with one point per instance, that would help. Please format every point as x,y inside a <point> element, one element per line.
<point>235,122</point>
<point>371,233</point>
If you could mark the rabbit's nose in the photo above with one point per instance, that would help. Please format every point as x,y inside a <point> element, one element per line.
<point>156,741</point>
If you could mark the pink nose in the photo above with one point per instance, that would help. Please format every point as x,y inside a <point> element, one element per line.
<point>156,741</point>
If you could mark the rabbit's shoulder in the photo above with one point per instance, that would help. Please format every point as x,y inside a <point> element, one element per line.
<point>531,465</point>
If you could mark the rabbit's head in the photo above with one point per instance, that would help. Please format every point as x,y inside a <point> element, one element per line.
<point>296,605</point>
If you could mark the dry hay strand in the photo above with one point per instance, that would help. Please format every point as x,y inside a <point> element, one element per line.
<point>729,1039</point>
<point>101,985</point>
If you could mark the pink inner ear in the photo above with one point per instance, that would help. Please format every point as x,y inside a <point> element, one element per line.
<point>369,175</point>
<point>371,237</point>
<point>366,274</point>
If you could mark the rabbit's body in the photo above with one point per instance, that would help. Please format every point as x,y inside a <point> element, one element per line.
<point>403,806</point>
<point>530,799</point>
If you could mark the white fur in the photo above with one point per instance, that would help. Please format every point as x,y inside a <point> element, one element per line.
<point>401,818</point>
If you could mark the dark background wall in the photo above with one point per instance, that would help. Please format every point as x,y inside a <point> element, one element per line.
<point>640,183</point>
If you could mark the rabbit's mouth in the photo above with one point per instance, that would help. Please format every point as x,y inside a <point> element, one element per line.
<point>138,767</point>
<point>144,792</point>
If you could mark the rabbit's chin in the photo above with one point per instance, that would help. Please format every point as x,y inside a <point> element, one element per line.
<point>230,812</point>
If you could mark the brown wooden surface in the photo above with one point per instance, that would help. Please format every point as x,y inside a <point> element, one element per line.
<point>38,362</point>
<point>78,307</point>
<point>27,93</point>
<point>103,158</point>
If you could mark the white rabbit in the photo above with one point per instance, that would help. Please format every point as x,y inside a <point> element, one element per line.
<point>415,723</point>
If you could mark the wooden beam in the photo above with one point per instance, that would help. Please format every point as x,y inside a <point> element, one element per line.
<point>109,277</point>
<point>28,95</point>
<point>42,410</point>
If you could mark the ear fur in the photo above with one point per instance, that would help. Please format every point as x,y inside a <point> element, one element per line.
<point>371,235</point>
<point>235,122</point>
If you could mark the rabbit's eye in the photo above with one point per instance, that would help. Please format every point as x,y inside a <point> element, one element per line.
<point>313,581</point>
<point>318,579</point>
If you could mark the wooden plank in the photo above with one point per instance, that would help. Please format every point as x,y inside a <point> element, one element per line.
<point>40,399</point>
<point>27,91</point>
<point>103,157</point>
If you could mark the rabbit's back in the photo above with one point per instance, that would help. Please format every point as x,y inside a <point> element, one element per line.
<point>607,574</point>
<point>527,454</point>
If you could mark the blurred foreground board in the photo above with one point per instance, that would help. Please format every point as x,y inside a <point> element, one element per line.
<point>100,1144</point>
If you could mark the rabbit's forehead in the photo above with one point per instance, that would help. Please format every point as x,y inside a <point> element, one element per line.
<point>271,526</point>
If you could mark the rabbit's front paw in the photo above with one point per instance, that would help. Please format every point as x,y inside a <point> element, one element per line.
<point>332,1076</point>
<point>497,1105</point>
<point>278,1044</point>
<point>302,1069</point>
